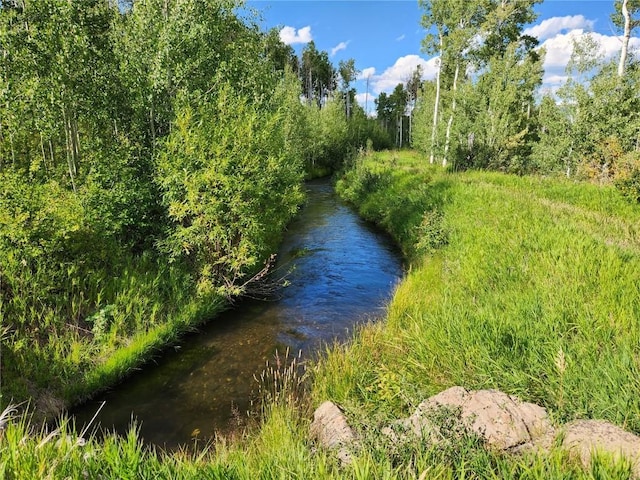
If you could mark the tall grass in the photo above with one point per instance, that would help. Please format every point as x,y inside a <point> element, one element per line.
<point>537,293</point>
<point>59,357</point>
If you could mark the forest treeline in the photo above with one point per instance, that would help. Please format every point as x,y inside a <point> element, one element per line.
<point>487,108</point>
<point>151,154</point>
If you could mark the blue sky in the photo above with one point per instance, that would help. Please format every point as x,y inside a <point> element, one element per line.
<point>384,36</point>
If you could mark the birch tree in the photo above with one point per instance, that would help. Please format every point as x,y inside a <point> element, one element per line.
<point>456,24</point>
<point>317,74</point>
<point>627,17</point>
<point>348,72</point>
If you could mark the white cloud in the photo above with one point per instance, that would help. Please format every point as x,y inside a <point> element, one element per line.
<point>552,26</point>
<point>400,38</point>
<point>402,70</point>
<point>337,48</point>
<point>289,35</point>
<point>554,79</point>
<point>560,47</point>
<point>366,73</point>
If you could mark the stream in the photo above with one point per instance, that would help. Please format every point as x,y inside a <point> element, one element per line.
<point>343,272</point>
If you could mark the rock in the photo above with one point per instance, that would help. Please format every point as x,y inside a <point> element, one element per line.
<point>503,421</point>
<point>332,431</point>
<point>584,437</point>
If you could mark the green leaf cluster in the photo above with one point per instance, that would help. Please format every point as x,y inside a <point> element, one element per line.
<point>230,186</point>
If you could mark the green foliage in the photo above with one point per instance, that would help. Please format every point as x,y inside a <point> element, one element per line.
<point>37,242</point>
<point>482,120</point>
<point>431,233</point>
<point>121,201</point>
<point>317,74</point>
<point>229,187</point>
<point>594,126</point>
<point>390,113</point>
<point>627,176</point>
<point>328,140</point>
<point>375,185</point>
<point>496,130</point>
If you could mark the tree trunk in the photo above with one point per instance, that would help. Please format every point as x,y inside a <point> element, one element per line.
<point>434,126</point>
<point>152,125</point>
<point>53,163</point>
<point>453,111</point>
<point>77,152</point>
<point>44,155</point>
<point>625,38</point>
<point>69,141</point>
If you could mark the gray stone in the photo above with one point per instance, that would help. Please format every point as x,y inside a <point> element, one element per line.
<point>584,437</point>
<point>332,431</point>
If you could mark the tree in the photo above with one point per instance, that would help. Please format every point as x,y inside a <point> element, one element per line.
<point>383,109</point>
<point>317,74</point>
<point>278,54</point>
<point>456,23</point>
<point>414,84</point>
<point>390,110</point>
<point>398,102</point>
<point>348,72</point>
<point>422,133</point>
<point>229,187</point>
<point>625,17</point>
<point>476,37</point>
<point>500,129</point>
<point>553,150</point>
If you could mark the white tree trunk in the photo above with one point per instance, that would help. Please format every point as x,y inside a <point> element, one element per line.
<point>434,126</point>
<point>453,111</point>
<point>625,38</point>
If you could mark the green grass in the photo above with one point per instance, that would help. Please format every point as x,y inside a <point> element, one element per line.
<point>524,284</point>
<point>68,358</point>
<point>537,293</point>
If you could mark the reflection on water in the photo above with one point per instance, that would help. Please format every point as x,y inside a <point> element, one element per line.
<point>343,274</point>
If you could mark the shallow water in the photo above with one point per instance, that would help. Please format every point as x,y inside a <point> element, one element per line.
<point>343,273</point>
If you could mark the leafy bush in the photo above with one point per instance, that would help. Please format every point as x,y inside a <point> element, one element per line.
<point>230,188</point>
<point>627,177</point>
<point>430,233</point>
<point>41,231</point>
<point>361,181</point>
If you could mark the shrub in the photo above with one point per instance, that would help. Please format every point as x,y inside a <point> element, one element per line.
<point>627,177</point>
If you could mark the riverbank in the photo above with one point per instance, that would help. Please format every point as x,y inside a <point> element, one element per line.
<point>523,284</point>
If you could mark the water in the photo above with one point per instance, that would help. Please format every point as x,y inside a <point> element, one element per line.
<point>343,274</point>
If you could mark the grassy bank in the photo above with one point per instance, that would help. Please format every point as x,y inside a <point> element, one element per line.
<point>524,284</point>
<point>57,353</point>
